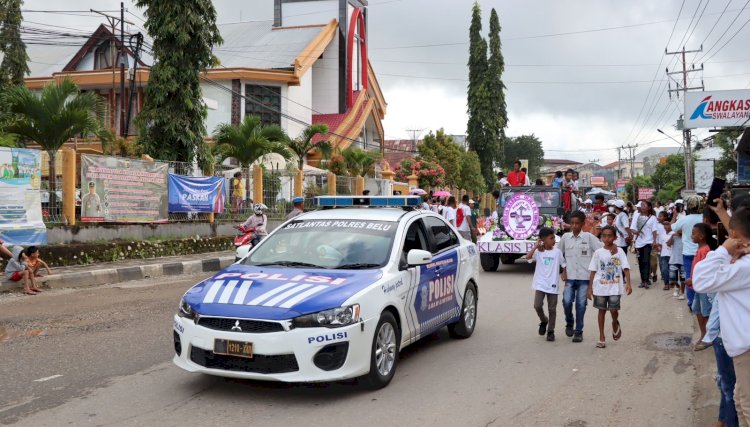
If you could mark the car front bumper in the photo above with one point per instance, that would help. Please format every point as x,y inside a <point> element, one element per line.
<point>287,356</point>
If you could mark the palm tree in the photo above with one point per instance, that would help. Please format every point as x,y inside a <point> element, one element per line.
<point>249,141</point>
<point>303,144</point>
<point>360,162</point>
<point>61,112</point>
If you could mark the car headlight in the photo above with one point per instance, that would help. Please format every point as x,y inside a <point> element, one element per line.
<point>333,318</point>
<point>186,310</point>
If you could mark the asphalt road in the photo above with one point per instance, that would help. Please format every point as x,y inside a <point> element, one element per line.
<point>103,357</point>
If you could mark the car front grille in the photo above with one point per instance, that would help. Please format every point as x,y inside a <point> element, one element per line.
<point>251,326</point>
<point>261,364</point>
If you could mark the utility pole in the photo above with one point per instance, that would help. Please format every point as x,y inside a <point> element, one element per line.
<point>415,133</point>
<point>689,185</point>
<point>619,159</point>
<point>630,150</point>
<point>113,20</point>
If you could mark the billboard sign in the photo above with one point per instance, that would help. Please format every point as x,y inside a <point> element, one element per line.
<point>21,221</point>
<point>704,175</point>
<point>598,181</point>
<point>645,193</point>
<point>717,108</point>
<point>196,194</point>
<point>115,189</point>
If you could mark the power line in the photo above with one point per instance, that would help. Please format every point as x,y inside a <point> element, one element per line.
<point>708,51</point>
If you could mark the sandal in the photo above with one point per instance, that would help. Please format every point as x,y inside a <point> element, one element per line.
<point>601,344</point>
<point>36,289</point>
<point>617,333</point>
<point>700,345</point>
<point>29,293</point>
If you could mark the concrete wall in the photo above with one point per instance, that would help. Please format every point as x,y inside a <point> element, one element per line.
<point>223,114</point>
<point>136,232</point>
<point>298,104</point>
<point>325,85</point>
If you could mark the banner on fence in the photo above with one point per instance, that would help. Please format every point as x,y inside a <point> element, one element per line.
<point>21,221</point>
<point>123,190</point>
<point>196,194</point>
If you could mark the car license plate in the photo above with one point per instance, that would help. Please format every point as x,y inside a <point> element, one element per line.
<point>233,348</point>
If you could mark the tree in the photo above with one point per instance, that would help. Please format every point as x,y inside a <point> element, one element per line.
<point>439,148</point>
<point>728,162</point>
<point>429,174</point>
<point>498,116</point>
<point>479,106</point>
<point>303,144</point>
<point>640,182</point>
<point>524,147</point>
<point>360,162</point>
<point>14,65</point>
<point>249,141</point>
<point>61,112</point>
<point>671,172</point>
<point>172,121</point>
<point>471,173</point>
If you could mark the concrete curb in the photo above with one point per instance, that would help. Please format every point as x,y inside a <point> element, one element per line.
<point>104,276</point>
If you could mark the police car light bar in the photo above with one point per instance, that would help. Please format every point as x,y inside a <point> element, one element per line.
<point>378,201</point>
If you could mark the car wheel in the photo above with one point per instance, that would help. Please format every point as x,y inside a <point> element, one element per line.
<point>384,353</point>
<point>508,258</point>
<point>468,321</point>
<point>489,261</point>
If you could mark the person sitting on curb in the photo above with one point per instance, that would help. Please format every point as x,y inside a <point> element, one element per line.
<point>17,270</point>
<point>34,263</point>
<point>4,250</point>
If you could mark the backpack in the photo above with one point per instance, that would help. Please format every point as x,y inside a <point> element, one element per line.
<point>459,217</point>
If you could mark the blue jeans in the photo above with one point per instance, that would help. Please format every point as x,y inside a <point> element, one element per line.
<point>575,290</point>
<point>664,267</point>
<point>687,263</point>
<point>726,379</point>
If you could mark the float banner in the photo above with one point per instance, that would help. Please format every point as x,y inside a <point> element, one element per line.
<point>718,108</point>
<point>21,220</point>
<point>114,189</point>
<point>196,194</point>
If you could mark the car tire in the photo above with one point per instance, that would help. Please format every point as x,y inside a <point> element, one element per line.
<point>507,259</point>
<point>489,261</point>
<point>386,339</point>
<point>468,321</point>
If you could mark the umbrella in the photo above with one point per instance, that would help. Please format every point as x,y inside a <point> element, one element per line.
<point>596,190</point>
<point>441,193</point>
<point>417,192</point>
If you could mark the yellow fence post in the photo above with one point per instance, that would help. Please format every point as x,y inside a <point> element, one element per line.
<point>359,185</point>
<point>69,186</point>
<point>299,180</point>
<point>331,184</point>
<point>210,172</point>
<point>257,184</point>
<point>413,181</point>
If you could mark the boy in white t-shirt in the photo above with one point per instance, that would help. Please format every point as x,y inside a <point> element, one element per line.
<point>609,274</point>
<point>664,234</point>
<point>548,260</point>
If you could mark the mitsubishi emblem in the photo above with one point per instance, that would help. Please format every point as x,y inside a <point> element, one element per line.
<point>236,327</point>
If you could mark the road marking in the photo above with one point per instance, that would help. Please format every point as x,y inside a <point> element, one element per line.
<point>41,380</point>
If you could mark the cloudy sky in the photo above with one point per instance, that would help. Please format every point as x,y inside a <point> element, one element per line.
<point>585,76</point>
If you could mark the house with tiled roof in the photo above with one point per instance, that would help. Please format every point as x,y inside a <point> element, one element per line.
<point>307,65</point>
<point>396,150</point>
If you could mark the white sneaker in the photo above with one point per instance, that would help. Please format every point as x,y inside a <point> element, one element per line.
<point>676,293</point>
<point>681,297</point>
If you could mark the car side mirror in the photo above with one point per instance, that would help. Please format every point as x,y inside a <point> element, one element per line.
<point>418,257</point>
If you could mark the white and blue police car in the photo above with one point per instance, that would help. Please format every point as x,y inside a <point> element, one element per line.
<point>332,294</point>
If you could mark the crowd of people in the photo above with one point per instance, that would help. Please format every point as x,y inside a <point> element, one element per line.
<point>699,250</point>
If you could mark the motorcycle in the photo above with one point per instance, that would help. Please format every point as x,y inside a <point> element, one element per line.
<point>243,241</point>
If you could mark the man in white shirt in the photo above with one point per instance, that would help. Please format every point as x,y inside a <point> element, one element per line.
<point>644,230</point>
<point>725,272</point>
<point>463,219</point>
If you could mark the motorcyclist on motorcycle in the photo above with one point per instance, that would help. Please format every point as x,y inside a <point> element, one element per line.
<point>258,221</point>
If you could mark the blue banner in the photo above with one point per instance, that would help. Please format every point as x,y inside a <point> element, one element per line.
<point>21,215</point>
<point>196,194</point>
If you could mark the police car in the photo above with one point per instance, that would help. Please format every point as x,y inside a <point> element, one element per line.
<point>332,294</point>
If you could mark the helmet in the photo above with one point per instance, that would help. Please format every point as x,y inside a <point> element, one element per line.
<point>258,209</point>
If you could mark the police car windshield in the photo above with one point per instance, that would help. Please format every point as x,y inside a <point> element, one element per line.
<point>350,244</point>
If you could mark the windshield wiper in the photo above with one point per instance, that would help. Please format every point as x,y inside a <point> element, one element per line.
<point>357,266</point>
<point>289,264</point>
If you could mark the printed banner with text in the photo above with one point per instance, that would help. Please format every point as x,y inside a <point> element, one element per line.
<point>196,194</point>
<point>21,220</point>
<point>115,189</point>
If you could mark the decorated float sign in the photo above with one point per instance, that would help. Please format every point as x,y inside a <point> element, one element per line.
<point>521,216</point>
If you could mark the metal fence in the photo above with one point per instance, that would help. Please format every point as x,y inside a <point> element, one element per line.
<point>278,192</point>
<point>238,202</point>
<point>52,210</point>
<point>345,185</point>
<point>315,185</point>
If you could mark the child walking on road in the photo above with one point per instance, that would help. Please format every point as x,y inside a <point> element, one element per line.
<point>548,260</point>
<point>609,274</point>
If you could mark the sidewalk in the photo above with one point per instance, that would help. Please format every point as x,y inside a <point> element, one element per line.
<point>123,271</point>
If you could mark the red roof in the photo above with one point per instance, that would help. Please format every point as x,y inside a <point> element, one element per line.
<point>611,165</point>
<point>560,162</point>
<point>332,120</point>
<point>397,150</point>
